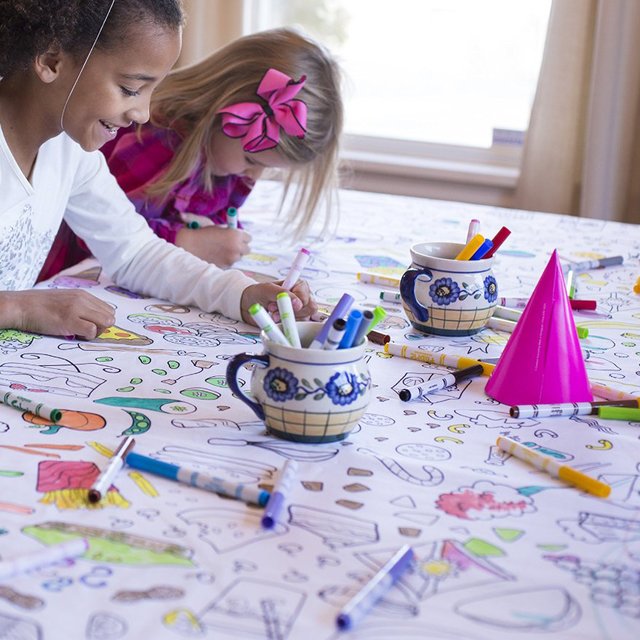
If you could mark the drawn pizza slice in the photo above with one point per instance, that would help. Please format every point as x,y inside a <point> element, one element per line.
<point>118,335</point>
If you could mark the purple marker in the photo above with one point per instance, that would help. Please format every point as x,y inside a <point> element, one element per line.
<point>281,490</point>
<point>358,606</point>
<point>339,311</point>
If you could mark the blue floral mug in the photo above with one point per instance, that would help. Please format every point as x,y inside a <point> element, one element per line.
<point>445,296</point>
<point>305,395</point>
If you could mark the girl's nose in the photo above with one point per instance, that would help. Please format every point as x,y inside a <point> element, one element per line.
<point>139,113</point>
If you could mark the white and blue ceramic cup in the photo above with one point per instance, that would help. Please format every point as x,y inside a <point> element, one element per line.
<point>445,296</point>
<point>305,395</point>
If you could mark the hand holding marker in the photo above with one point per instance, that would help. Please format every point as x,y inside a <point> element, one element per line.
<point>232,218</point>
<point>296,269</point>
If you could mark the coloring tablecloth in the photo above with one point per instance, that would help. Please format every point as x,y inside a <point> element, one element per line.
<point>504,551</point>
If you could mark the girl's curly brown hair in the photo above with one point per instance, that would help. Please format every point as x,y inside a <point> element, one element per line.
<point>29,27</point>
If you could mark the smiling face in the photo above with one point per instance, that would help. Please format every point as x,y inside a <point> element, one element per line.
<point>115,86</point>
<point>229,158</point>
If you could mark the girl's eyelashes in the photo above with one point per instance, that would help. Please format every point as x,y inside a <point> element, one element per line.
<point>129,92</point>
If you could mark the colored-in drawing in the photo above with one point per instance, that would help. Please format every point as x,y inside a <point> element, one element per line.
<point>20,600</point>
<point>75,420</point>
<point>162,592</point>
<point>485,500</point>
<point>12,340</point>
<point>219,527</point>
<point>118,335</point>
<point>115,547</point>
<point>441,566</point>
<point>547,609</point>
<point>336,529</point>
<point>149,404</point>
<point>65,484</point>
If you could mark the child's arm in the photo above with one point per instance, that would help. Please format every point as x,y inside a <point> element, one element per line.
<point>218,245</point>
<point>60,312</point>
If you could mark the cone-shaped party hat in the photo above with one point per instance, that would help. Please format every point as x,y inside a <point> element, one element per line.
<point>542,362</point>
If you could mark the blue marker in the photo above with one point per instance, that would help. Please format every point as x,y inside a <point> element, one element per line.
<point>243,492</point>
<point>485,247</point>
<point>281,490</point>
<point>358,606</point>
<point>232,218</point>
<point>353,324</point>
<point>339,311</point>
<point>367,319</point>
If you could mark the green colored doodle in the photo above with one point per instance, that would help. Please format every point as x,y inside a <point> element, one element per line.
<point>140,424</point>
<point>200,394</point>
<point>144,359</point>
<point>159,372</point>
<point>218,381</point>
<point>173,364</point>
<point>104,359</point>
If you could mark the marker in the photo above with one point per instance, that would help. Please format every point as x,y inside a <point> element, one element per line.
<point>567,408</point>
<point>569,283</point>
<point>299,262</point>
<point>474,228</point>
<point>266,323</point>
<point>583,305</point>
<point>619,413</point>
<point>335,334</point>
<point>583,332</point>
<point>24,404</point>
<point>497,240</point>
<point>367,317</point>
<point>288,319</point>
<point>521,303</point>
<point>232,218</point>
<point>104,480</point>
<point>281,491</point>
<point>377,337</point>
<point>381,582</point>
<point>501,324</point>
<point>636,286</point>
<point>554,468</point>
<point>353,324</point>
<point>339,311</point>
<point>372,278</point>
<point>507,314</point>
<point>50,555</point>
<point>390,296</point>
<point>443,359</point>
<point>192,225</point>
<point>597,264</point>
<point>610,393</point>
<point>239,491</point>
<point>440,383</point>
<point>482,249</point>
<point>379,314</point>
<point>470,248</point>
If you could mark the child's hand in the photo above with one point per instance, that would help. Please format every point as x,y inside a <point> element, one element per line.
<point>265,293</point>
<point>61,312</point>
<point>219,245</point>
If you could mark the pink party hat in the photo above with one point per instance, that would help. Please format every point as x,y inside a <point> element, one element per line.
<point>542,362</point>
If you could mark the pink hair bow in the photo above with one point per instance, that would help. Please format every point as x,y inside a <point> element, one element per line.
<point>259,125</point>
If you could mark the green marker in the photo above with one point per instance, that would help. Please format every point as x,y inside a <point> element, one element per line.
<point>620,413</point>
<point>232,218</point>
<point>583,332</point>
<point>378,315</point>
<point>25,404</point>
<point>266,323</point>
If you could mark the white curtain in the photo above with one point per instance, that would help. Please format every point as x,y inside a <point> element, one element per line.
<point>581,152</point>
<point>210,25</point>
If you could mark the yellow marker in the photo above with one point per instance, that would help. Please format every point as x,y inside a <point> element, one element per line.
<point>471,247</point>
<point>554,468</point>
<point>432,357</point>
<point>372,278</point>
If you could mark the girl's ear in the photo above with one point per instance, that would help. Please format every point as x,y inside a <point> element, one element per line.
<point>47,65</point>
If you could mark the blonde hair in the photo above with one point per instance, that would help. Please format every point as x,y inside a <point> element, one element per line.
<point>188,101</point>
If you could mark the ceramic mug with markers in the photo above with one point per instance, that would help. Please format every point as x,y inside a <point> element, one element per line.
<point>305,395</point>
<point>445,296</point>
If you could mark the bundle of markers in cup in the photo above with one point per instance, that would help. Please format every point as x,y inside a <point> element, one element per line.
<point>344,328</point>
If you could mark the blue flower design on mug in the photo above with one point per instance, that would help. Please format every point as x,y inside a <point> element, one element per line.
<point>280,384</point>
<point>343,388</point>
<point>490,289</point>
<point>444,291</point>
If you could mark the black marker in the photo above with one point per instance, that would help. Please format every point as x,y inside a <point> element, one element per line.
<point>440,383</point>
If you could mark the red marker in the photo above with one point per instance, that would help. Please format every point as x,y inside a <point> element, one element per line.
<point>498,239</point>
<point>583,305</point>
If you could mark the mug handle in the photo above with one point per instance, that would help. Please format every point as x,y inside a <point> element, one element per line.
<point>408,291</point>
<point>232,378</point>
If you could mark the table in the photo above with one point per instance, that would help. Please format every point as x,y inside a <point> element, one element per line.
<point>504,551</point>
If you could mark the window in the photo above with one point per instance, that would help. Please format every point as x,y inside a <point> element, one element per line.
<point>428,80</point>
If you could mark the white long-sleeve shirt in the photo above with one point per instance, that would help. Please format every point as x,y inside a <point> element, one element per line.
<point>77,185</point>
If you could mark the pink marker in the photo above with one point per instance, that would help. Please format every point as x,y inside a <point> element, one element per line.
<point>296,269</point>
<point>474,229</point>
